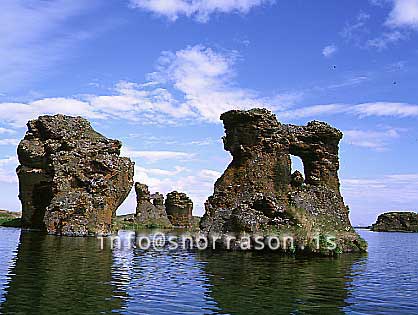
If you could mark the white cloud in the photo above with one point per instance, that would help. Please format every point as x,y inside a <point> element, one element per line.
<point>402,17</point>
<point>370,196</point>
<point>314,110</point>
<point>159,172</point>
<point>193,84</point>
<point>6,131</point>
<point>404,14</point>
<point>382,109</point>
<point>352,81</point>
<point>329,51</point>
<point>198,186</point>
<point>387,38</point>
<point>17,114</point>
<point>7,170</point>
<point>197,9</point>
<point>372,139</point>
<point>13,142</point>
<point>204,77</point>
<point>34,35</point>
<point>355,30</point>
<point>154,156</point>
<point>388,109</point>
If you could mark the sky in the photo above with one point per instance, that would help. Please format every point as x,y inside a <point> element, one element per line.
<point>157,74</point>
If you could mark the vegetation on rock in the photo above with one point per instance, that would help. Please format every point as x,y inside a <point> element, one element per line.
<point>396,222</point>
<point>71,178</point>
<point>257,193</point>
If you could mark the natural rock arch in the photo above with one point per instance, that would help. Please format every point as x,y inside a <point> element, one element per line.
<point>257,192</point>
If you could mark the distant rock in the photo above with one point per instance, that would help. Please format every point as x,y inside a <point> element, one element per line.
<point>71,178</point>
<point>258,195</point>
<point>179,209</point>
<point>10,214</point>
<point>396,222</point>
<point>10,218</point>
<point>150,210</point>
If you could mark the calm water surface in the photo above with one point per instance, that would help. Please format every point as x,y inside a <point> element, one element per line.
<point>50,275</point>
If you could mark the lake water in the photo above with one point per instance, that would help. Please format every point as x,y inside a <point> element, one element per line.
<point>51,275</point>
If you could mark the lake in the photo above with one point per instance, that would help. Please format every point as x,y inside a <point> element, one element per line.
<point>42,274</point>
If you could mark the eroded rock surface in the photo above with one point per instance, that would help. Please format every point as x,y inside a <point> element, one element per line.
<point>396,222</point>
<point>179,209</point>
<point>257,194</point>
<point>150,210</point>
<point>71,178</point>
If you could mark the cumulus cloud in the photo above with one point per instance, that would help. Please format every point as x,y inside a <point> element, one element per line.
<point>13,142</point>
<point>329,51</point>
<point>17,114</point>
<point>200,10</point>
<point>404,14</point>
<point>154,156</point>
<point>195,84</point>
<point>205,78</point>
<point>389,109</point>
<point>402,18</point>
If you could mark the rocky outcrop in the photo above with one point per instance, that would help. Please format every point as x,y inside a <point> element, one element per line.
<point>257,194</point>
<point>179,209</point>
<point>71,178</point>
<point>396,222</point>
<point>10,218</point>
<point>150,210</point>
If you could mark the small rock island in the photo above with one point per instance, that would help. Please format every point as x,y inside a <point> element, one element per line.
<point>396,222</point>
<point>258,194</point>
<point>152,211</point>
<point>71,178</point>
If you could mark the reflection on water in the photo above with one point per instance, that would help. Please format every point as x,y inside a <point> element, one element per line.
<point>257,283</point>
<point>64,275</point>
<point>52,275</point>
<point>163,282</point>
<point>9,239</point>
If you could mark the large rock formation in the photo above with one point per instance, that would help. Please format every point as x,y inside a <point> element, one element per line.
<point>257,194</point>
<point>150,210</point>
<point>179,209</point>
<point>71,178</point>
<point>396,222</point>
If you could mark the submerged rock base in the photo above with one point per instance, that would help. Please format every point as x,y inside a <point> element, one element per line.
<point>71,178</point>
<point>259,196</point>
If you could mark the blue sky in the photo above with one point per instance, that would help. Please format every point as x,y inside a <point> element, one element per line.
<point>156,74</point>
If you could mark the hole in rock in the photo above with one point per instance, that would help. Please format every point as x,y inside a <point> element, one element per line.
<point>297,164</point>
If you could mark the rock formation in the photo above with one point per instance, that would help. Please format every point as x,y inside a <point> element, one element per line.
<point>257,194</point>
<point>71,178</point>
<point>179,209</point>
<point>10,218</point>
<point>396,222</point>
<point>150,210</point>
